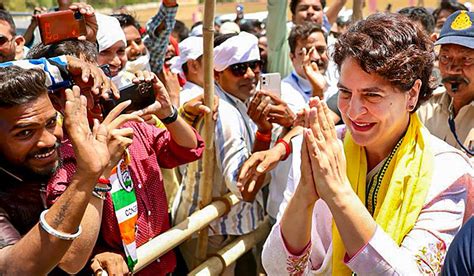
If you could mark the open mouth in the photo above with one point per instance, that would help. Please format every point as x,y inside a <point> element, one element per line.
<point>360,126</point>
<point>45,155</point>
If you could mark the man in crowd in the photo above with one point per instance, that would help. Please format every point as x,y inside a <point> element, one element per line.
<point>11,44</point>
<point>29,154</point>
<point>301,11</point>
<point>189,65</point>
<point>239,132</point>
<point>449,115</point>
<point>445,9</point>
<point>158,31</point>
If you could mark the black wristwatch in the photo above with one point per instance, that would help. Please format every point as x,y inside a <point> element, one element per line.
<point>172,118</point>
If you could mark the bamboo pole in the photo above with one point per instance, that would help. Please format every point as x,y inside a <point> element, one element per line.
<point>421,3</point>
<point>205,190</point>
<point>357,10</point>
<point>163,243</point>
<point>230,253</point>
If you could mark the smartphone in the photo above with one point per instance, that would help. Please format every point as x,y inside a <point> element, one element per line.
<point>141,95</point>
<point>61,25</point>
<point>271,82</point>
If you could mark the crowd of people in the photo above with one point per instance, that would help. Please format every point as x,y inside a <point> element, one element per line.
<point>363,162</point>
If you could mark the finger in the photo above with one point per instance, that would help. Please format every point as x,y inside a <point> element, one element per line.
<point>96,267</point>
<point>332,126</point>
<point>324,123</point>
<point>147,110</point>
<point>315,126</point>
<point>311,144</point>
<point>122,132</point>
<point>122,119</point>
<point>204,109</point>
<point>114,113</point>
<point>86,71</point>
<point>95,127</point>
<point>114,89</point>
<point>139,75</point>
<point>247,166</point>
<point>147,76</point>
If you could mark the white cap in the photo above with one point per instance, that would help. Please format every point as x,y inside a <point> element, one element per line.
<point>108,32</point>
<point>237,49</point>
<point>196,31</point>
<point>190,48</point>
<point>229,27</point>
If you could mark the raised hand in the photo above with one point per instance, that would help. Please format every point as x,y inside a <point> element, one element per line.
<point>119,138</point>
<point>91,21</point>
<point>196,107</point>
<point>259,163</point>
<point>90,147</point>
<point>258,111</point>
<point>171,82</point>
<point>326,153</point>
<point>89,75</point>
<point>279,113</point>
<point>314,76</point>
<point>162,107</point>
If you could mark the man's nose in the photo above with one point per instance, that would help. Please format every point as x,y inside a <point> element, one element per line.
<point>47,139</point>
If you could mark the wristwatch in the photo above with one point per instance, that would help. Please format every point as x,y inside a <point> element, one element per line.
<point>172,118</point>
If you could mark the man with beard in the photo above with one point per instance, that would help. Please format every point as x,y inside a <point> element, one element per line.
<point>30,135</point>
<point>10,42</point>
<point>449,115</point>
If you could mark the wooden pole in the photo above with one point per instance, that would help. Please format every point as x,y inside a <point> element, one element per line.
<point>231,252</point>
<point>421,3</point>
<point>357,10</point>
<point>163,243</point>
<point>205,190</point>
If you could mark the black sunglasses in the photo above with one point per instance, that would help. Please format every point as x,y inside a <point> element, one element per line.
<point>239,69</point>
<point>4,39</point>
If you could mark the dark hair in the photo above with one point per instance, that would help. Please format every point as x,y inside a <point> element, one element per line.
<point>450,6</point>
<point>181,29</point>
<point>126,20</point>
<point>301,32</point>
<point>420,14</point>
<point>19,86</point>
<point>219,39</point>
<point>78,48</point>
<point>391,46</point>
<point>6,16</point>
<point>294,3</point>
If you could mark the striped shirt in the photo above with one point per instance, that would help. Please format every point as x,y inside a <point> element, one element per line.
<point>234,138</point>
<point>157,44</point>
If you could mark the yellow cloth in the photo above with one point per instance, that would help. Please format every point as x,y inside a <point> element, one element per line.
<point>402,192</point>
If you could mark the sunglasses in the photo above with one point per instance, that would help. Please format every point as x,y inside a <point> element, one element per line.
<point>239,69</point>
<point>4,39</point>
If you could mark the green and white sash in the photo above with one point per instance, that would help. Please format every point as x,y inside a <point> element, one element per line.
<point>126,209</point>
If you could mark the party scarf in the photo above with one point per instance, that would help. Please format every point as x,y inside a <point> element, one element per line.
<point>402,192</point>
<point>126,209</point>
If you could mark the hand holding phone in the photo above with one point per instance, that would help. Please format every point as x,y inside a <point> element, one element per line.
<point>61,25</point>
<point>271,82</point>
<point>141,94</point>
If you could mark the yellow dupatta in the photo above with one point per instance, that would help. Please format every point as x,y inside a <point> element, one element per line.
<point>402,191</point>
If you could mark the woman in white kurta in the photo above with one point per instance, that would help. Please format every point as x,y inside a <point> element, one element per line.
<point>391,198</point>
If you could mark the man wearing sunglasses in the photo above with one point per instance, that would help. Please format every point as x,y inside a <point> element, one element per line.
<point>11,45</point>
<point>237,134</point>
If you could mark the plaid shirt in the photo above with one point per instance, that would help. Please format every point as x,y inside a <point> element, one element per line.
<point>152,148</point>
<point>157,44</point>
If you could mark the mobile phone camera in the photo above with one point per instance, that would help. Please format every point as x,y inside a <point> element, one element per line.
<point>78,15</point>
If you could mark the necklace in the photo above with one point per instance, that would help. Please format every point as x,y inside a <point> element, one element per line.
<point>376,180</point>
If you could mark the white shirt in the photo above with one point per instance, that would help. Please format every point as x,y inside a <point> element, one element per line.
<point>190,91</point>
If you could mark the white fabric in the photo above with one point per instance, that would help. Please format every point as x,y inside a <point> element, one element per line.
<point>196,31</point>
<point>142,63</point>
<point>440,219</point>
<point>109,31</point>
<point>229,28</point>
<point>190,91</point>
<point>190,48</point>
<point>237,49</point>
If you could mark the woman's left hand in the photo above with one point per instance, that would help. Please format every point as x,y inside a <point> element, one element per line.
<point>326,153</point>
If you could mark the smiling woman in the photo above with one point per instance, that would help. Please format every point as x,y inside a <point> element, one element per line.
<point>380,202</point>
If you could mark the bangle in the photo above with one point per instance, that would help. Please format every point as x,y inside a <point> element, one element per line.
<point>103,180</point>
<point>53,232</point>
<point>99,196</point>
<point>287,148</point>
<point>172,118</point>
<point>105,189</point>
<point>263,137</point>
